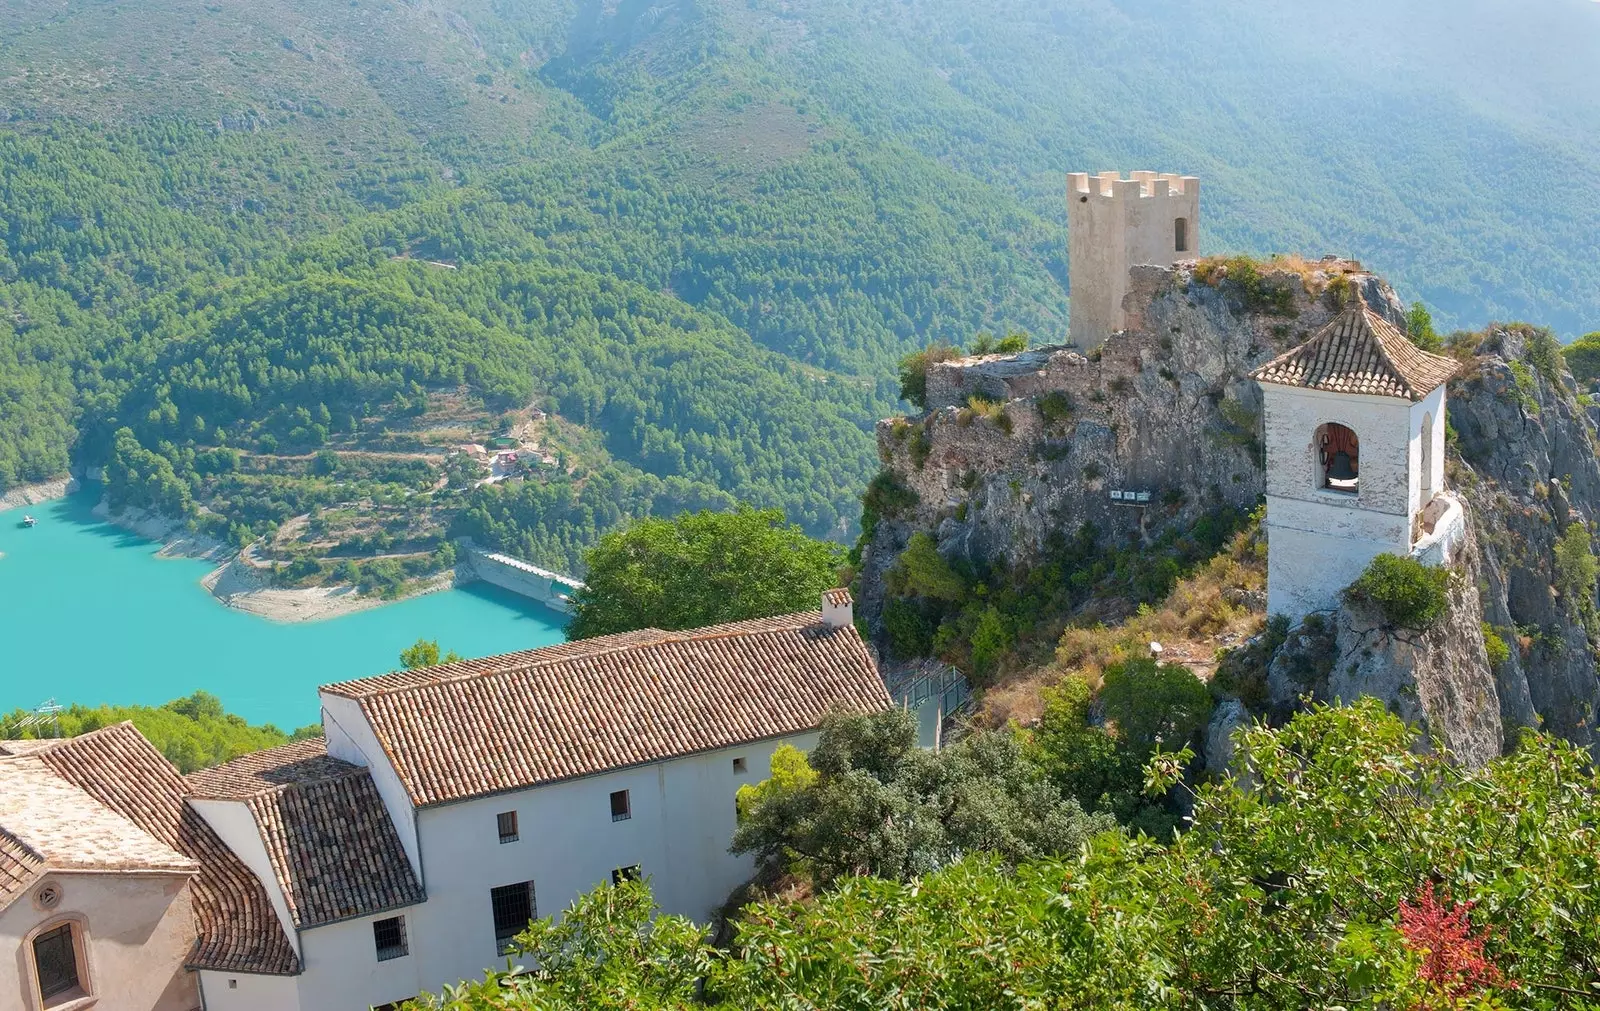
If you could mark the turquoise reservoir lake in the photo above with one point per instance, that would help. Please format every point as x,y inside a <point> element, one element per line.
<point>89,614</point>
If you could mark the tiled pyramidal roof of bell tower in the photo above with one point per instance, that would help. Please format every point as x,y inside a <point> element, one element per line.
<point>1360,352</point>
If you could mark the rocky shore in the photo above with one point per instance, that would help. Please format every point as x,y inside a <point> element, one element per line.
<point>33,494</point>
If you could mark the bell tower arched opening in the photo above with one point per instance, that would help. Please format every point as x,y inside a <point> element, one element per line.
<point>1338,459</point>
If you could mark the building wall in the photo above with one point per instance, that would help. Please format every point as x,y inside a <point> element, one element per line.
<point>342,971</point>
<point>1319,541</point>
<point>683,818</point>
<point>138,928</point>
<point>1430,407</point>
<point>1114,224</point>
<point>232,991</point>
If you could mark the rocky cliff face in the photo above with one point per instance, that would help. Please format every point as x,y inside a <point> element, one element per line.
<point>1163,414</point>
<point>1438,678</point>
<point>1015,449</point>
<point>1528,464</point>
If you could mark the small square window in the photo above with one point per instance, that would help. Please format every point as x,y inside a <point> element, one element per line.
<point>739,766</point>
<point>629,873</point>
<point>508,826</point>
<point>389,936</point>
<point>620,809</point>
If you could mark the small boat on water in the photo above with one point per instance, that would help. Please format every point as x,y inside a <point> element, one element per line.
<point>28,521</point>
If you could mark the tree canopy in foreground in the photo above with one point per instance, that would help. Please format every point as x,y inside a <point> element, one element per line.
<point>701,569</point>
<point>1346,870</point>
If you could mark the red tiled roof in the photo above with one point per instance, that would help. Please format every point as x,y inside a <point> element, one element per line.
<point>333,848</point>
<point>239,931</point>
<point>300,762</point>
<point>1360,352</point>
<point>510,722</point>
<point>20,866</point>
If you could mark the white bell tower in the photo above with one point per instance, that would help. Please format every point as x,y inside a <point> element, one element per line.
<point>1354,421</point>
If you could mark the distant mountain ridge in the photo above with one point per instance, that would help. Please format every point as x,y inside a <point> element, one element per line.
<point>774,197</point>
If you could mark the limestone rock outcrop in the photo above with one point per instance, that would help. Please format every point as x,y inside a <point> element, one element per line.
<point>1163,410</point>
<point>1438,678</point>
<point>1015,450</point>
<point>1528,465</point>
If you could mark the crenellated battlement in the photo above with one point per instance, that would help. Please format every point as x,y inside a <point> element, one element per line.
<point>1147,185</point>
<point>1115,224</point>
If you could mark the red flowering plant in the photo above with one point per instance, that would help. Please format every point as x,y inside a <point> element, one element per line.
<point>1452,964</point>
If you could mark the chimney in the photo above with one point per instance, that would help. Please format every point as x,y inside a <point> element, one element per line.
<point>838,609</point>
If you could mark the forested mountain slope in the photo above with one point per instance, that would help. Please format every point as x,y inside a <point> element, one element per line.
<point>699,232</point>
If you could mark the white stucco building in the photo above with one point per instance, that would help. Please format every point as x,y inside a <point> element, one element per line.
<point>1355,426</point>
<point>444,808</point>
<point>1114,224</point>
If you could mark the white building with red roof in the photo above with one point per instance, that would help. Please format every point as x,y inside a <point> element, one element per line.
<point>443,810</point>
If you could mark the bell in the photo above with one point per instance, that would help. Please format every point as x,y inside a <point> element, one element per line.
<point>1340,469</point>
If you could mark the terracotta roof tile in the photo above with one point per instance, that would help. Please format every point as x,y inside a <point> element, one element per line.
<point>238,929</point>
<point>837,598</point>
<point>71,830</point>
<point>20,867</point>
<point>509,722</point>
<point>333,848</point>
<point>300,762</point>
<point>1360,352</point>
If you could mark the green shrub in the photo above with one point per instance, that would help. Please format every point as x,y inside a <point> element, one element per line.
<point>1495,646</point>
<point>1419,327</point>
<point>1407,593</point>
<point>1055,407</point>
<point>1575,565</point>
<point>1583,357</point>
<point>1011,344</point>
<point>914,372</point>
<point>909,630</point>
<point>923,572</point>
<point>921,445</point>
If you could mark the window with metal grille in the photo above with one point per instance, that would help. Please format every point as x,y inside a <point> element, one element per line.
<point>628,873</point>
<point>390,937</point>
<point>620,809</point>
<point>514,908</point>
<point>739,766</point>
<point>508,826</point>
<point>55,956</point>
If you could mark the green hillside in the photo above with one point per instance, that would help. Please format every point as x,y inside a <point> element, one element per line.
<point>698,234</point>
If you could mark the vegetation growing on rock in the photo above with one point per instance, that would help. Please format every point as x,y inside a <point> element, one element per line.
<point>1406,592</point>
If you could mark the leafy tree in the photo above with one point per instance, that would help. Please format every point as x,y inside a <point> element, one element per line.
<point>1419,327</point>
<point>880,805</point>
<point>612,950</point>
<point>1350,868</point>
<point>1575,566</point>
<point>425,653</point>
<point>194,732</point>
<point>701,569</point>
<point>1155,706</point>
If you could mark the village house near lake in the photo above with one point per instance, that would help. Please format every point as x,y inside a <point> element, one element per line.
<point>444,809</point>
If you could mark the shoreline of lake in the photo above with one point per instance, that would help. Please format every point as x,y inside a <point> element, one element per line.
<point>140,630</point>
<point>243,585</point>
<point>39,493</point>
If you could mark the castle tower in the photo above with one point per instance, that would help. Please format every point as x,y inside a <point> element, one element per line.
<point>1355,424</point>
<point>1115,223</point>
